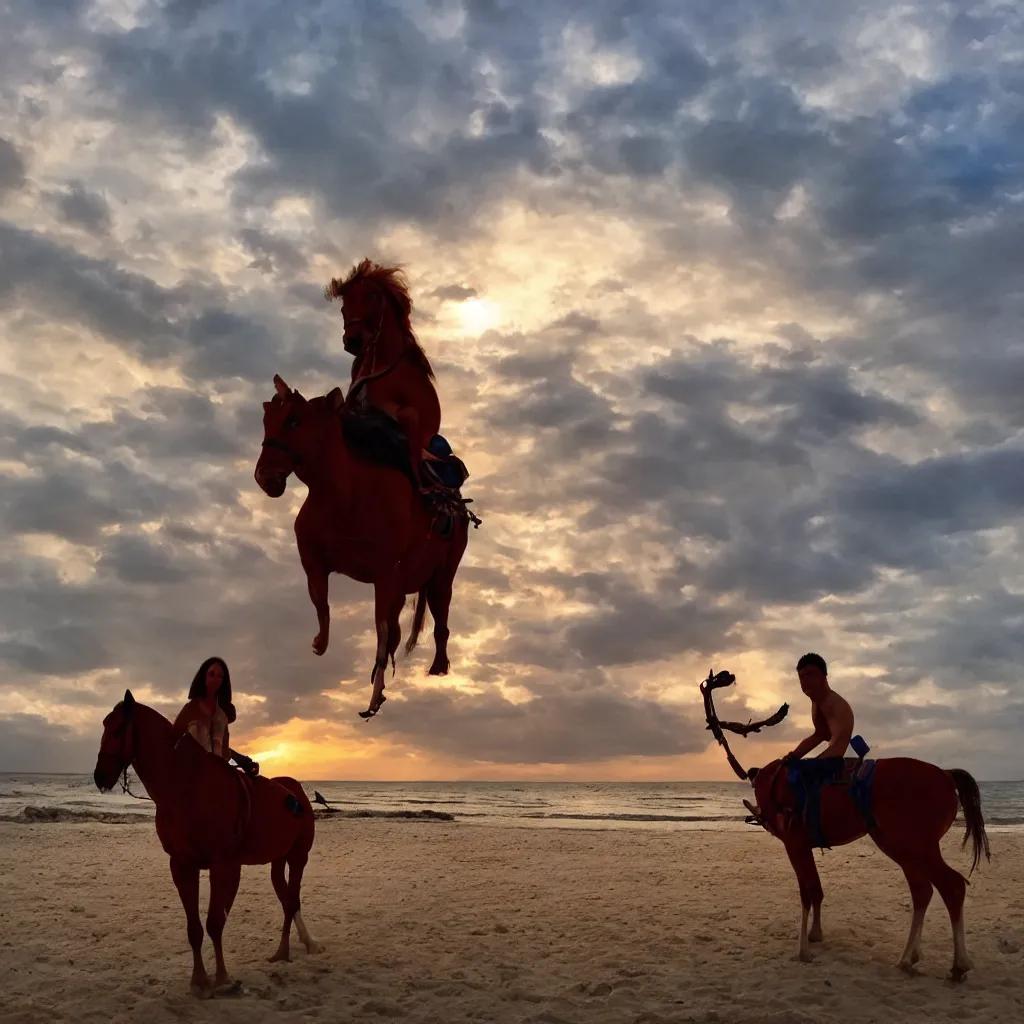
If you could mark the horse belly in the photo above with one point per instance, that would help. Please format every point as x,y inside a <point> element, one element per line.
<point>365,545</point>
<point>273,829</point>
<point>913,797</point>
<point>841,819</point>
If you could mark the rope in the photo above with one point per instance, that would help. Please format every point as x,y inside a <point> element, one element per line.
<point>126,787</point>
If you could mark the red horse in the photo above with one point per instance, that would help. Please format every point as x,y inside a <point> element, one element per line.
<point>911,806</point>
<point>211,816</point>
<point>390,371</point>
<point>362,519</point>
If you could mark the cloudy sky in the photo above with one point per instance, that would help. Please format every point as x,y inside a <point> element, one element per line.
<point>724,300</point>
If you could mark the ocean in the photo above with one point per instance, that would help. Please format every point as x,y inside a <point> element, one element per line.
<point>581,805</point>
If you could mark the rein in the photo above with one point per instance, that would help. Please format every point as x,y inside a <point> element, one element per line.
<point>129,715</point>
<point>126,787</point>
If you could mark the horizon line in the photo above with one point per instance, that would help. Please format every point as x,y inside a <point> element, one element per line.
<point>439,782</point>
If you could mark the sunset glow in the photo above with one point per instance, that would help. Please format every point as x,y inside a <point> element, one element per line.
<point>724,317</point>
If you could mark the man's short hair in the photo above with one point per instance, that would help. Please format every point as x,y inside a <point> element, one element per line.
<point>813,659</point>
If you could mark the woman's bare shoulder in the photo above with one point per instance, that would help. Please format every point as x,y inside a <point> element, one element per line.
<point>192,709</point>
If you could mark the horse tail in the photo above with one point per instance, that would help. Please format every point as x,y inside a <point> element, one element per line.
<point>970,800</point>
<point>417,621</point>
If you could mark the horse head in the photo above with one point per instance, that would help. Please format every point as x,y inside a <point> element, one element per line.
<point>774,797</point>
<point>118,743</point>
<point>376,309</point>
<point>294,435</point>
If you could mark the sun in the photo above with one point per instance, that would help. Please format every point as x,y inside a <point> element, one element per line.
<point>478,315</point>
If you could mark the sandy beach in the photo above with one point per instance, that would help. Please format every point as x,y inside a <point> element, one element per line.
<point>441,922</point>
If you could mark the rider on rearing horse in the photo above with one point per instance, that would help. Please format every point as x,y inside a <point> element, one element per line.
<point>391,371</point>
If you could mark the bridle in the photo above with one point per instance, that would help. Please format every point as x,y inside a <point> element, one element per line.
<point>274,442</point>
<point>130,742</point>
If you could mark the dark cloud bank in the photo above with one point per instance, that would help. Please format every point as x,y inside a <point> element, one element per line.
<point>856,493</point>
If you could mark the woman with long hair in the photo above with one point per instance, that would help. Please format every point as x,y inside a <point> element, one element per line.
<point>209,712</point>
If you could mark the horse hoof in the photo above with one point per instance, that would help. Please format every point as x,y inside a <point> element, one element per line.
<point>370,712</point>
<point>958,975</point>
<point>315,947</point>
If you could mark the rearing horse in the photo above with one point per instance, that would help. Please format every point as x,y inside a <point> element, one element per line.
<point>362,519</point>
<point>390,370</point>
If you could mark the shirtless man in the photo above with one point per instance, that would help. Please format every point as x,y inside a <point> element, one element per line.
<point>831,715</point>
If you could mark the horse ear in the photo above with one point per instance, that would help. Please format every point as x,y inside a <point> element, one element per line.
<point>129,700</point>
<point>335,399</point>
<point>279,385</point>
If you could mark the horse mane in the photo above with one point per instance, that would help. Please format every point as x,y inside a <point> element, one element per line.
<point>391,280</point>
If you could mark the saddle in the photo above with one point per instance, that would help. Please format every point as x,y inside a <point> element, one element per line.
<point>379,438</point>
<point>809,777</point>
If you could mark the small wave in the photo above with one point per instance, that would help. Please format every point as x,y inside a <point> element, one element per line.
<point>370,813</point>
<point>635,817</point>
<point>660,798</point>
<point>1004,821</point>
<point>449,800</point>
<point>43,815</point>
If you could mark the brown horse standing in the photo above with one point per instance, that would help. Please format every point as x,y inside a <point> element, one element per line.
<point>210,816</point>
<point>361,519</point>
<point>390,370</point>
<point>912,806</point>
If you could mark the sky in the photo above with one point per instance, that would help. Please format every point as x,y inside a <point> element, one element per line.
<point>724,300</point>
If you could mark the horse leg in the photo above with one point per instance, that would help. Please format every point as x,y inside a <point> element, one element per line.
<point>186,881</point>
<point>224,879</point>
<point>915,870</point>
<point>296,866</point>
<point>801,856</point>
<point>924,867</point>
<point>387,595</point>
<point>281,888</point>
<point>952,888</point>
<point>439,599</point>
<point>316,582</point>
<point>395,626</point>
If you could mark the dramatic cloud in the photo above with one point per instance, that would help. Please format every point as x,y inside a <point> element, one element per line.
<point>725,314</point>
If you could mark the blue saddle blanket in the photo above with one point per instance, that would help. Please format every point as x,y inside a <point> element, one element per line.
<point>808,777</point>
<point>450,469</point>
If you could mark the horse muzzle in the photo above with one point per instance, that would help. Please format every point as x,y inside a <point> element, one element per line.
<point>272,484</point>
<point>106,773</point>
<point>352,340</point>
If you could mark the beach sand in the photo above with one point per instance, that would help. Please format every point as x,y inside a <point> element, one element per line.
<point>444,922</point>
